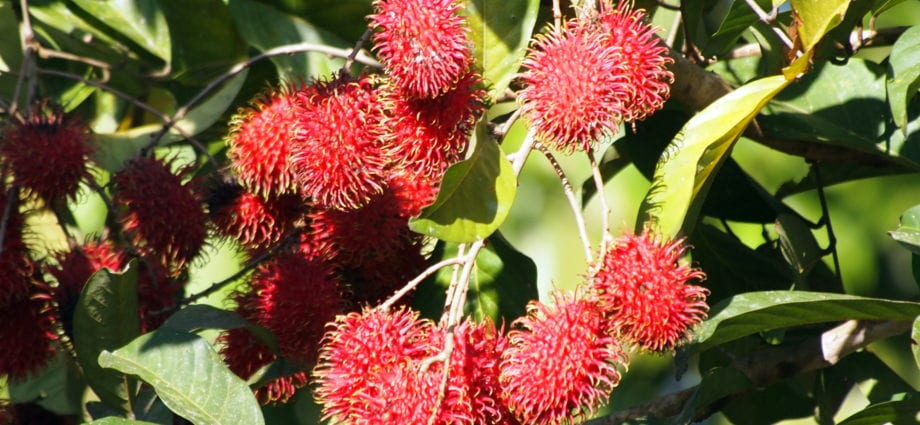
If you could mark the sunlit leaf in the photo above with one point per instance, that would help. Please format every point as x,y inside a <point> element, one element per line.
<point>141,21</point>
<point>915,341</point>
<point>500,33</point>
<point>112,420</point>
<point>106,318</point>
<point>891,412</point>
<point>750,313</point>
<point>475,196</point>
<point>908,232</point>
<point>189,376</point>
<point>818,17</point>
<point>904,74</point>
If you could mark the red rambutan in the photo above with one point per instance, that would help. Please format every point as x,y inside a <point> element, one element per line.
<point>15,264</point>
<point>254,221</point>
<point>561,362</point>
<point>260,141</point>
<point>157,294</point>
<point>74,268</point>
<point>27,332</point>
<point>423,44</point>
<point>47,154</point>
<point>337,156</point>
<point>645,292</point>
<point>162,217</point>
<point>425,136</point>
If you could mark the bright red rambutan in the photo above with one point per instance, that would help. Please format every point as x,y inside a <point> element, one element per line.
<point>368,369</point>
<point>260,141</point>
<point>27,329</point>
<point>254,221</point>
<point>337,157</point>
<point>423,44</point>
<point>15,264</point>
<point>571,109</point>
<point>561,362</point>
<point>642,57</point>
<point>424,135</point>
<point>162,217</point>
<point>645,292</point>
<point>47,154</point>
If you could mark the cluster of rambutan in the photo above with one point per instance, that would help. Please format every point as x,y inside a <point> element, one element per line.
<point>328,174</point>
<point>556,365</point>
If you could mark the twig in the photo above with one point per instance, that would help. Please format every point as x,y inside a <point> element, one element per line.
<point>25,69</point>
<point>350,60</point>
<point>50,53</point>
<point>570,195</point>
<point>605,208</point>
<point>769,19</point>
<point>826,220</point>
<point>408,287</point>
<point>557,14</point>
<point>773,365</point>
<point>502,129</point>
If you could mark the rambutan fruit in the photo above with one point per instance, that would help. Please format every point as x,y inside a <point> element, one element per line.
<point>162,217</point>
<point>27,329</point>
<point>561,362</point>
<point>647,294</point>
<point>426,135</point>
<point>47,154</point>
<point>158,294</point>
<point>74,268</point>
<point>423,44</point>
<point>15,263</point>
<point>260,141</point>
<point>337,156</point>
<point>256,222</point>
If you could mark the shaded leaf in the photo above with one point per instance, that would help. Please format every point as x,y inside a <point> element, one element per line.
<point>112,420</point>
<point>475,196</point>
<point>500,32</point>
<point>198,317</point>
<point>893,412</point>
<point>194,25</point>
<point>265,27</point>
<point>770,405</point>
<point>737,21</point>
<point>908,232</point>
<point>106,318</point>
<point>817,18</point>
<point>714,385</point>
<point>503,281</point>
<point>684,172</point>
<point>798,243</point>
<point>57,387</point>
<point>753,312</point>
<point>140,21</point>
<point>915,340</point>
<point>189,376</point>
<point>903,74</point>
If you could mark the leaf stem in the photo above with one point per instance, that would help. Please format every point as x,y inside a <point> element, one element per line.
<point>570,196</point>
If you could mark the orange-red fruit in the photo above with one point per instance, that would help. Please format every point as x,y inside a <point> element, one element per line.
<point>337,156</point>
<point>647,294</point>
<point>162,217</point>
<point>260,141</point>
<point>367,371</point>
<point>423,44</point>
<point>47,154</point>
<point>572,109</point>
<point>561,363</point>
<point>256,222</point>
<point>425,136</point>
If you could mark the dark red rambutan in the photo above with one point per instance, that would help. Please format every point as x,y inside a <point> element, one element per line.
<point>47,154</point>
<point>561,362</point>
<point>377,279</point>
<point>426,135</point>
<point>27,332</point>
<point>15,263</point>
<point>423,44</point>
<point>162,217</point>
<point>254,221</point>
<point>245,355</point>
<point>158,294</point>
<point>367,371</point>
<point>74,268</point>
<point>646,293</point>
<point>337,156</point>
<point>260,141</point>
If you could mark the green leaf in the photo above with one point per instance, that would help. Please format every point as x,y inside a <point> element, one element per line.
<point>189,376</point>
<point>736,22</point>
<point>818,17</point>
<point>904,74</point>
<point>687,167</point>
<point>57,387</point>
<point>798,243</point>
<point>475,197</point>
<point>715,384</point>
<point>750,313</point>
<point>908,232</point>
<point>265,27</point>
<point>112,420</point>
<point>893,412</point>
<point>880,6</point>
<point>915,341</point>
<point>199,317</point>
<point>10,50</point>
<point>140,21</point>
<point>194,25</point>
<point>503,281</point>
<point>500,33</point>
<point>106,318</point>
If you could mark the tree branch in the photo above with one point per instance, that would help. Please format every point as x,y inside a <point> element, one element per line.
<point>772,365</point>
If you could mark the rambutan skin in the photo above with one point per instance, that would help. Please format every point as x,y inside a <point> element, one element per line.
<point>337,156</point>
<point>163,218</point>
<point>647,294</point>
<point>260,141</point>
<point>74,268</point>
<point>15,264</point>
<point>561,362</point>
<point>425,136</point>
<point>27,332</point>
<point>256,222</point>
<point>423,44</point>
<point>47,154</point>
